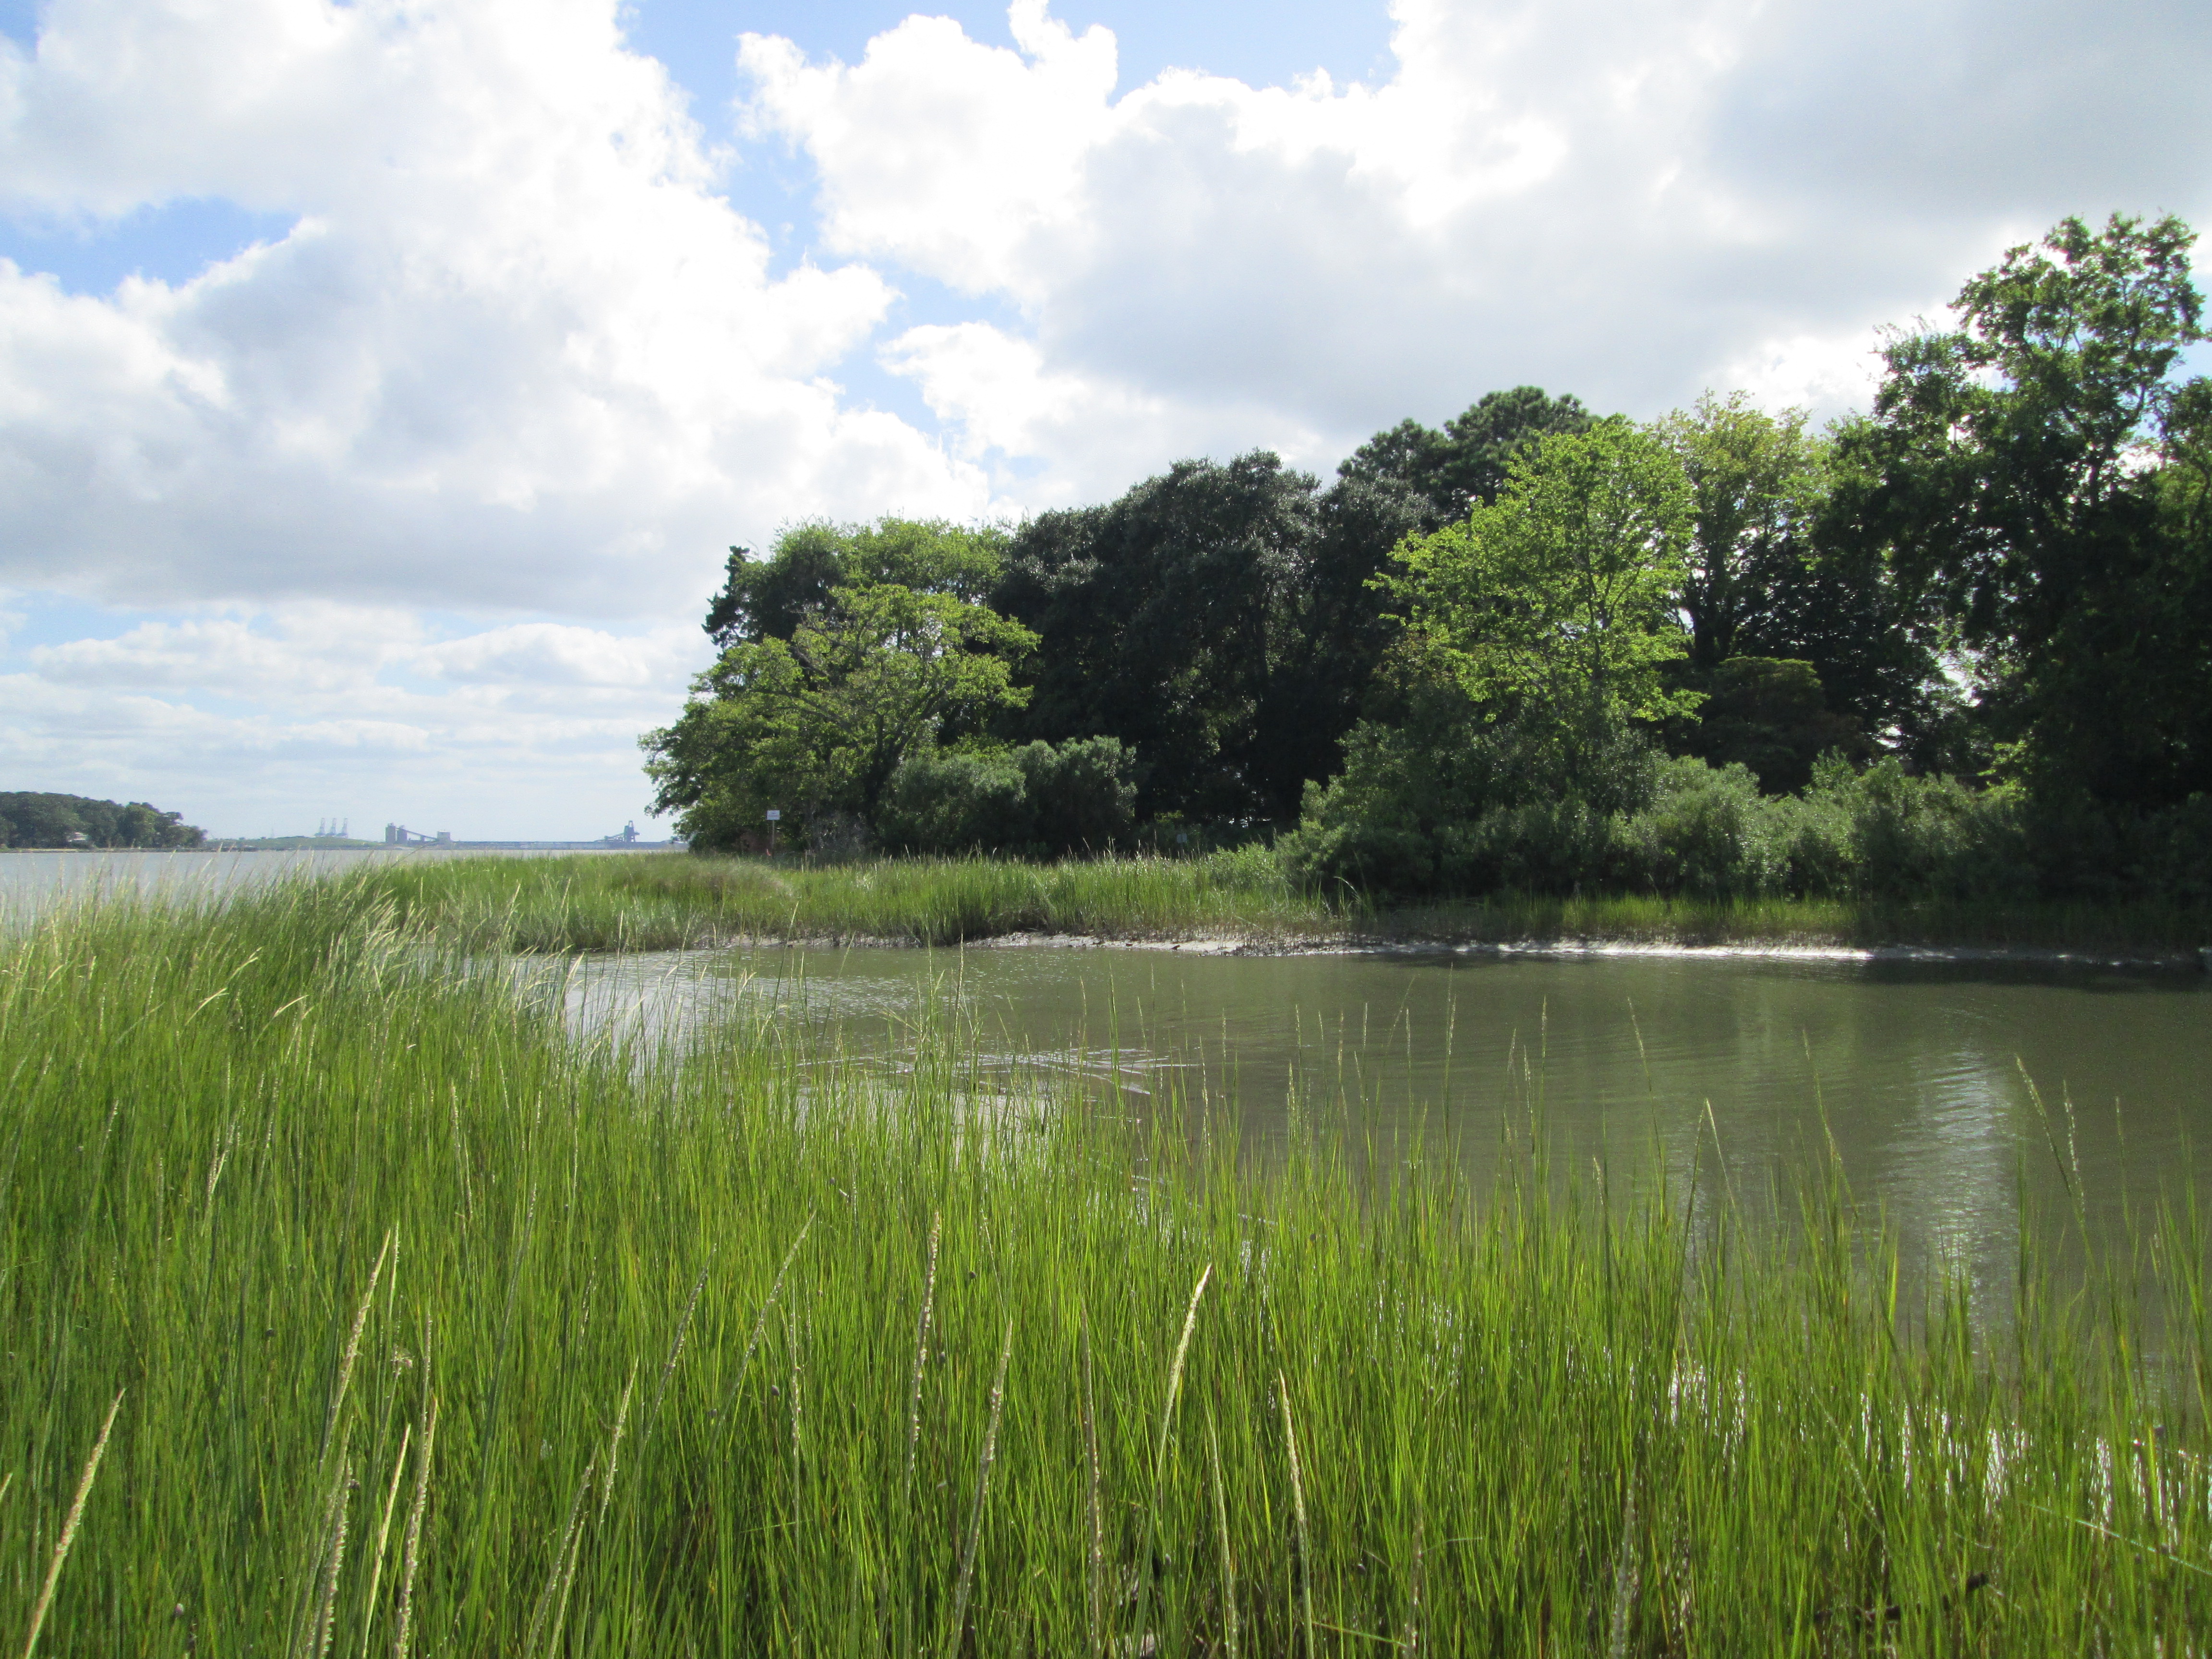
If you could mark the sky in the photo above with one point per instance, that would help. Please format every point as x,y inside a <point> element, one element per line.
<point>382,383</point>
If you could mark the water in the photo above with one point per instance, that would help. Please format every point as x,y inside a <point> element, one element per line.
<point>1923,1076</point>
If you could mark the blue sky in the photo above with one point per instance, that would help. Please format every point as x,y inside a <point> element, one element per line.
<point>379,384</point>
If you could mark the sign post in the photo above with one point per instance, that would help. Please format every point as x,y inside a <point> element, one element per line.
<point>774,817</point>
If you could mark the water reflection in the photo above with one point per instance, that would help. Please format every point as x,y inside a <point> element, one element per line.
<point>1924,1077</point>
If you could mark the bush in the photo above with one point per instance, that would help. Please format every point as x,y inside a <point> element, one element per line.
<point>1411,817</point>
<point>1082,793</point>
<point>1709,834</point>
<point>955,803</point>
<point>1078,796</point>
<point>1447,805</point>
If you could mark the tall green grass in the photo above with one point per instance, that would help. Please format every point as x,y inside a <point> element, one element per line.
<point>662,901</point>
<point>438,1331</point>
<point>673,901</point>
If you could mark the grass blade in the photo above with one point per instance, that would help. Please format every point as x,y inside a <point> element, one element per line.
<point>383,1537</point>
<point>353,1344</point>
<point>983,1494</point>
<point>68,1529</point>
<point>1298,1516</point>
<point>1221,1535</point>
<point>411,1554</point>
<point>921,1358</point>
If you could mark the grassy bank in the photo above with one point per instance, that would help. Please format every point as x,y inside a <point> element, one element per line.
<point>672,901</point>
<point>662,901</point>
<point>418,1327</point>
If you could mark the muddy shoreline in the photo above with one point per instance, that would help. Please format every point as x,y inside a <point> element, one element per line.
<point>1223,944</point>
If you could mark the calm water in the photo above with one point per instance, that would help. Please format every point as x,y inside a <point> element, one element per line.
<point>1922,1071</point>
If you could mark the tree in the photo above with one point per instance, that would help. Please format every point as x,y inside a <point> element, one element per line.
<point>1222,619</point>
<point>1451,470</point>
<point>1760,585</point>
<point>818,723</point>
<point>766,599</point>
<point>1555,606</point>
<point>1770,714</point>
<point>28,818</point>
<point>1183,620</point>
<point>2026,471</point>
<point>1755,481</point>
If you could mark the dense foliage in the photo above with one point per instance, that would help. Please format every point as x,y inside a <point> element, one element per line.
<point>28,818</point>
<point>871,674</point>
<point>1539,648</point>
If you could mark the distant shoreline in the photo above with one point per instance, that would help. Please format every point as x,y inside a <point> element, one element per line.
<point>285,844</point>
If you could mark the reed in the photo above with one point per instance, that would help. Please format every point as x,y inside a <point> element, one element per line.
<point>1541,1416</point>
<point>651,902</point>
<point>673,901</point>
<point>70,1523</point>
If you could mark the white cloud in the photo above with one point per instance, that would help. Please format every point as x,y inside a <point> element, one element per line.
<point>1626,200</point>
<point>514,352</point>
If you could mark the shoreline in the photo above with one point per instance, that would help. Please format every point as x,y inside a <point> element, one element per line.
<point>1231,945</point>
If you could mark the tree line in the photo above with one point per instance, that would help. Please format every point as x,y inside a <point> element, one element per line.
<point>29,819</point>
<point>1978,616</point>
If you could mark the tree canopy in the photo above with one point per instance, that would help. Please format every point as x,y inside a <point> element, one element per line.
<point>1451,470</point>
<point>2037,472</point>
<point>33,819</point>
<point>767,598</point>
<point>1180,619</point>
<point>1558,604</point>
<point>2003,572</point>
<point>816,722</point>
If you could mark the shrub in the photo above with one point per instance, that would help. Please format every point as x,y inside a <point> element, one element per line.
<point>1082,793</point>
<point>955,803</point>
<point>1078,796</point>
<point>1451,806</point>
<point>1709,834</point>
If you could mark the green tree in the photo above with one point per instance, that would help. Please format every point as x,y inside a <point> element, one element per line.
<point>1448,471</point>
<point>1197,618</point>
<point>767,598</point>
<point>1755,482</point>
<point>1556,605</point>
<point>28,818</point>
<point>1761,584</point>
<point>817,724</point>
<point>2028,471</point>
<point>1770,715</point>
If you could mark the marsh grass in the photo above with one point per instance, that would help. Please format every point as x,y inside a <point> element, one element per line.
<point>643,1331</point>
<point>657,902</point>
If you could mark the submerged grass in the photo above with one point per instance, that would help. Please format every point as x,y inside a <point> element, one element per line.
<point>746,1348</point>
<point>674,901</point>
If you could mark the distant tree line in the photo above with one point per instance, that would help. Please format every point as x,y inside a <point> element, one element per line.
<point>1966,636</point>
<point>32,819</point>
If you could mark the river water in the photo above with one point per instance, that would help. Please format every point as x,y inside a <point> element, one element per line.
<point>1925,1076</point>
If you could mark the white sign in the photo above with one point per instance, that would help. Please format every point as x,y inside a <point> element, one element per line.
<point>773,815</point>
